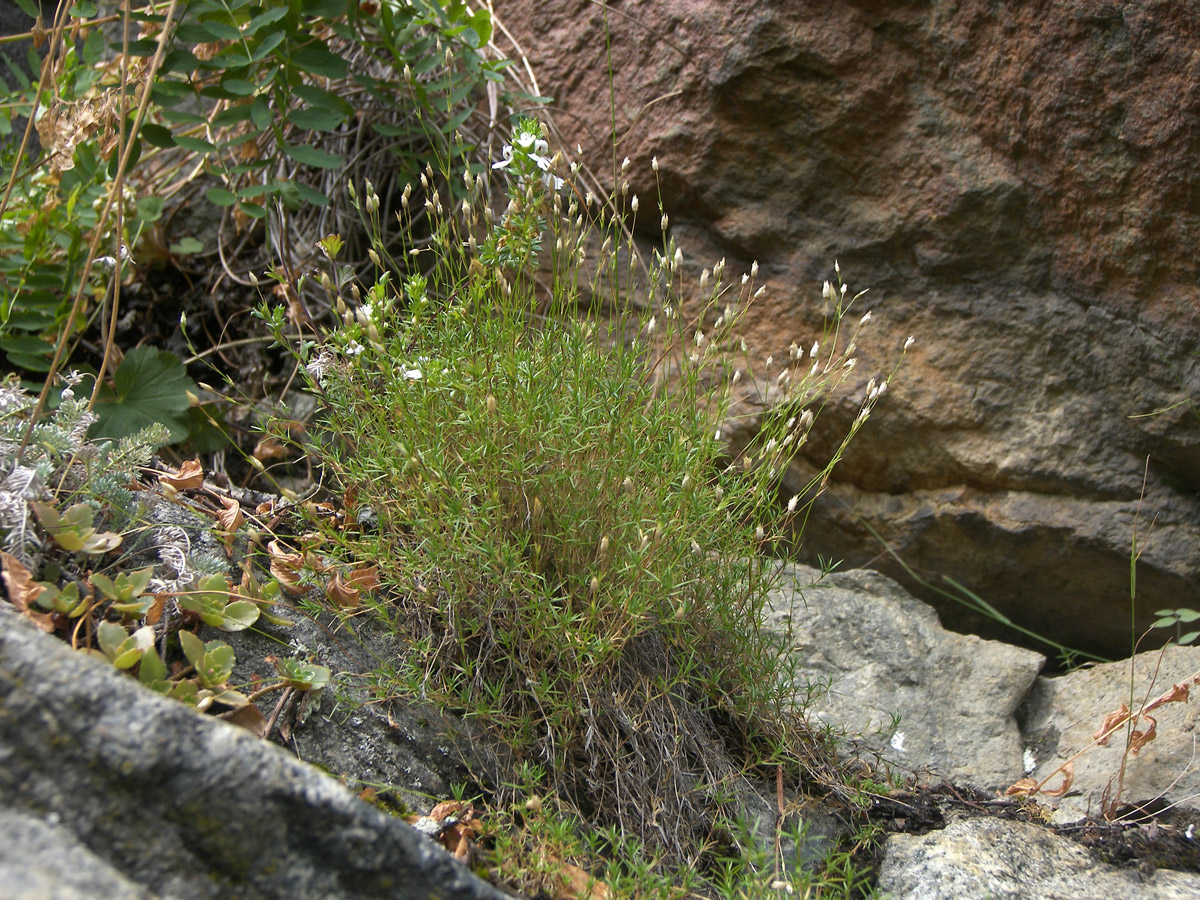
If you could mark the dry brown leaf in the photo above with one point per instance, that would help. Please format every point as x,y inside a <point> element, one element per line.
<point>346,592</point>
<point>250,718</point>
<point>296,313</point>
<point>230,517</point>
<point>1111,722</point>
<point>154,613</point>
<point>446,808</point>
<point>269,448</point>
<point>189,476</point>
<point>1026,787</point>
<point>1068,773</point>
<point>285,568</point>
<point>466,840</point>
<point>1177,694</point>
<point>1140,739</point>
<point>342,594</point>
<point>23,590</point>
<point>579,885</point>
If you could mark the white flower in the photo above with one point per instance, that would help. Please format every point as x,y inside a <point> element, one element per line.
<point>110,263</point>
<point>793,503</point>
<point>865,319</point>
<point>909,342</point>
<point>1029,761</point>
<point>897,741</point>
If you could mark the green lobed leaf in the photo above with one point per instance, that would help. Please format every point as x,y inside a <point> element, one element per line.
<point>149,386</point>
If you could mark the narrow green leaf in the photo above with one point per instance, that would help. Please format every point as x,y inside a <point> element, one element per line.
<point>266,18</point>
<point>238,86</point>
<point>219,196</point>
<point>158,136</point>
<point>195,144</point>
<point>221,31</point>
<point>312,156</point>
<point>316,96</point>
<point>253,210</point>
<point>317,59</point>
<point>314,118</point>
<point>311,195</point>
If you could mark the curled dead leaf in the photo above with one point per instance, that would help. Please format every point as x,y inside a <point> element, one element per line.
<point>229,520</point>
<point>154,613</point>
<point>342,594</point>
<point>1068,773</point>
<point>1140,739</point>
<point>446,809</point>
<point>296,312</point>
<point>250,718</point>
<point>285,568</point>
<point>1177,694</point>
<point>23,590</point>
<point>189,476</point>
<point>579,885</point>
<point>269,448</point>
<point>230,517</point>
<point>347,592</point>
<point>1026,787</point>
<point>1112,722</point>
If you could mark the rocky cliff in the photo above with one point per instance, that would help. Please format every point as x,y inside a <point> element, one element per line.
<point>1017,183</point>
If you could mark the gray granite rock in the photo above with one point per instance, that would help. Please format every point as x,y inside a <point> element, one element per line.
<point>1002,860</point>
<point>42,860</point>
<point>181,805</point>
<point>1063,713</point>
<point>883,653</point>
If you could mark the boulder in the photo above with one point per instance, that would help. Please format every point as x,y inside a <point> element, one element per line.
<point>162,801</point>
<point>1016,187</point>
<point>1004,860</point>
<point>1063,714</point>
<point>882,654</point>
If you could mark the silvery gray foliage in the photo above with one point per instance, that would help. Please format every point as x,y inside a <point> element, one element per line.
<point>59,456</point>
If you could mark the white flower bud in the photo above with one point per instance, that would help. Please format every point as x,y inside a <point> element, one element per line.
<point>908,343</point>
<point>791,507</point>
<point>654,163</point>
<point>865,319</point>
<point>633,204</point>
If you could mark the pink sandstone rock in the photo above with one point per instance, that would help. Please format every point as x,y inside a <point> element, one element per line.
<point>1018,184</point>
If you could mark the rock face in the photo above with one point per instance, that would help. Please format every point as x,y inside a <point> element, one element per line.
<point>883,654</point>
<point>1017,184</point>
<point>109,786</point>
<point>1012,861</point>
<point>1062,715</point>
